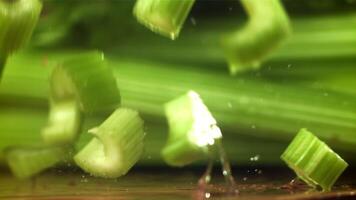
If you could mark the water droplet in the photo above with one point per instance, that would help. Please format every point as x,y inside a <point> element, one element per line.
<point>230,8</point>
<point>326,94</point>
<point>253,126</point>
<point>259,172</point>
<point>225,173</point>
<point>207,195</point>
<point>244,178</point>
<point>229,104</point>
<point>255,158</point>
<point>193,21</point>
<point>289,66</point>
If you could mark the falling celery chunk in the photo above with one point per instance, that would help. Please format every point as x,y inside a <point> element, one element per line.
<point>267,28</point>
<point>25,162</point>
<point>18,18</point>
<point>63,124</point>
<point>116,147</point>
<point>191,129</point>
<point>165,17</point>
<point>313,161</point>
<point>87,79</point>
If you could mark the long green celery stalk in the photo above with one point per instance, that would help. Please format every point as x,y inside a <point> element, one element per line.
<point>243,106</point>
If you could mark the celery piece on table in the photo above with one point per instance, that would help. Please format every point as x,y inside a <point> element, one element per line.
<point>18,18</point>
<point>313,161</point>
<point>165,17</point>
<point>191,129</point>
<point>63,124</point>
<point>87,79</point>
<point>25,162</point>
<point>116,147</point>
<point>267,28</point>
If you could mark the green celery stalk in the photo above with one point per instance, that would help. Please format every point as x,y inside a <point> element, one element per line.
<point>192,129</point>
<point>116,147</point>
<point>64,123</point>
<point>18,18</point>
<point>313,161</point>
<point>267,28</point>
<point>242,106</point>
<point>162,16</point>
<point>25,162</point>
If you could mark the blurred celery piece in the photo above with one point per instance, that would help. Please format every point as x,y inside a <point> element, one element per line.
<point>266,29</point>
<point>21,126</point>
<point>116,147</point>
<point>313,161</point>
<point>321,38</point>
<point>88,80</point>
<point>192,129</point>
<point>245,106</point>
<point>165,17</point>
<point>64,123</point>
<point>74,23</point>
<point>25,162</point>
<point>18,18</point>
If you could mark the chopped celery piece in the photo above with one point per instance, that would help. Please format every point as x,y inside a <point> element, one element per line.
<point>87,79</point>
<point>191,129</point>
<point>63,123</point>
<point>18,18</point>
<point>267,28</point>
<point>25,162</point>
<point>313,161</point>
<point>17,21</point>
<point>117,146</point>
<point>165,17</point>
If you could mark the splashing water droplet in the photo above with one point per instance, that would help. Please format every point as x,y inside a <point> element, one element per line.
<point>207,195</point>
<point>255,158</point>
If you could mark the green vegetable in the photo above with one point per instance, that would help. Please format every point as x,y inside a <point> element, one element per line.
<point>260,108</point>
<point>267,28</point>
<point>313,161</point>
<point>117,146</point>
<point>25,162</point>
<point>63,124</point>
<point>165,17</point>
<point>18,18</point>
<point>87,79</point>
<point>192,129</point>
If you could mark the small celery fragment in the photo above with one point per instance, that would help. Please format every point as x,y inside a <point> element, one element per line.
<point>87,79</point>
<point>63,123</point>
<point>267,28</point>
<point>116,147</point>
<point>313,161</point>
<point>25,162</point>
<point>165,17</point>
<point>191,129</point>
<point>18,18</point>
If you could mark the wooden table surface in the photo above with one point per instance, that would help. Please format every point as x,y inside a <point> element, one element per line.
<point>165,184</point>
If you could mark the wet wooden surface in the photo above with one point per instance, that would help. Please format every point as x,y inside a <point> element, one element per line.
<point>166,184</point>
